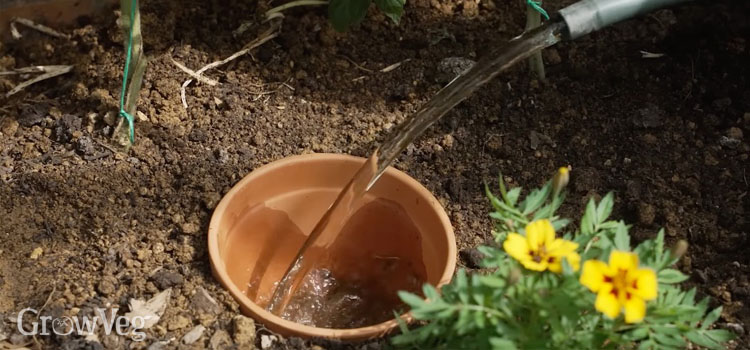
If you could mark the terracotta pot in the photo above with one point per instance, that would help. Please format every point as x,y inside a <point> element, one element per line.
<point>286,198</point>
<point>50,12</point>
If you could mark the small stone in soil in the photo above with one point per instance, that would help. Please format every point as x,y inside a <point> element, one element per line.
<point>211,199</point>
<point>142,254</point>
<point>646,213</point>
<point>194,334</point>
<point>729,142</point>
<point>534,140</point>
<point>736,328</point>
<point>735,133</point>
<point>495,143</point>
<point>220,340</point>
<point>266,341</point>
<point>36,253</point>
<point>65,128</point>
<point>32,114</point>
<point>178,322</point>
<point>190,228</point>
<point>448,141</point>
<point>110,119</point>
<point>202,301</point>
<point>85,145</point>
<point>244,330</point>
<point>259,139</point>
<point>8,126</point>
<point>165,279</point>
<point>159,345</point>
<point>106,286</point>
<point>450,67</point>
<point>197,135</point>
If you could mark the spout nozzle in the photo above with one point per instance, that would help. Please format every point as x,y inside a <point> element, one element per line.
<point>588,16</point>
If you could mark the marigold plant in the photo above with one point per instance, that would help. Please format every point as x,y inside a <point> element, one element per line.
<point>621,284</point>
<point>540,250</point>
<point>548,285</point>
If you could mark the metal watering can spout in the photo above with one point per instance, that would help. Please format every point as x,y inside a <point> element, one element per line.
<point>588,16</point>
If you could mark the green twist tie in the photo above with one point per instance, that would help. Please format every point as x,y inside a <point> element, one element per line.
<point>537,5</point>
<point>125,73</point>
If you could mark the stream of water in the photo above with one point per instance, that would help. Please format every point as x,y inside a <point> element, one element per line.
<point>302,273</point>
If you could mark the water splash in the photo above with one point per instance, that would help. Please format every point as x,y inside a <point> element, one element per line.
<point>327,230</point>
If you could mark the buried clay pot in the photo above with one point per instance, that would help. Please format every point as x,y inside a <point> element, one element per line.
<point>399,237</point>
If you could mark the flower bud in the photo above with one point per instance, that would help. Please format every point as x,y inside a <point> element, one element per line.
<point>514,276</point>
<point>560,180</point>
<point>679,249</point>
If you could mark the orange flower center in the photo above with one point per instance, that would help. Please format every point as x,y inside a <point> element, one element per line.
<point>541,254</point>
<point>620,284</point>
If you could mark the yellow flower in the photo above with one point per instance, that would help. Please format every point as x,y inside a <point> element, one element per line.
<point>540,250</point>
<point>620,285</point>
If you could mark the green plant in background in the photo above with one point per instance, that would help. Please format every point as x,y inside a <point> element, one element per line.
<point>345,13</point>
<point>557,288</point>
<point>534,13</point>
<point>135,68</point>
<point>278,10</point>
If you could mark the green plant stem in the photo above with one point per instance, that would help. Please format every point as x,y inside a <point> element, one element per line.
<point>482,309</point>
<point>503,191</point>
<point>533,20</point>
<point>135,67</point>
<point>289,5</point>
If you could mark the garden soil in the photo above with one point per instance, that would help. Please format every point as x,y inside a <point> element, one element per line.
<point>656,109</point>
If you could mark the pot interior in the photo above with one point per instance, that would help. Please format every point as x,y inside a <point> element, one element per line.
<point>395,240</point>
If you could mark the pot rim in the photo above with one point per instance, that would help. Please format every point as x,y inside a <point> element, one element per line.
<point>276,323</point>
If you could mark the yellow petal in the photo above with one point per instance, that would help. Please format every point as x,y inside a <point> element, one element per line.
<point>594,275</point>
<point>642,283</point>
<point>635,310</point>
<point>574,260</point>
<point>555,245</point>
<point>517,247</point>
<point>620,260</point>
<point>540,233</point>
<point>560,247</point>
<point>607,303</point>
<point>533,265</point>
<point>548,232</point>
<point>555,264</point>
